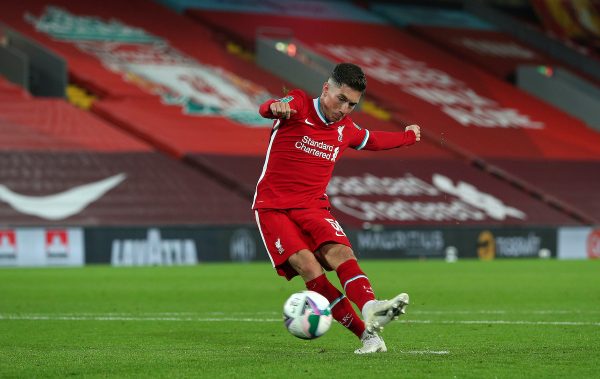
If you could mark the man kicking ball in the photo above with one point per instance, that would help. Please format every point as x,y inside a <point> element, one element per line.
<point>292,211</point>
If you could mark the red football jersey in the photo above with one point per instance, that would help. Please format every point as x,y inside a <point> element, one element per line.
<point>303,150</point>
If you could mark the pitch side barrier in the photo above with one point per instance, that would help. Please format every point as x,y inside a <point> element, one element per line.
<point>191,245</point>
<point>177,245</point>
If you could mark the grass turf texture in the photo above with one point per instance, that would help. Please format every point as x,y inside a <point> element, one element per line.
<point>471,319</point>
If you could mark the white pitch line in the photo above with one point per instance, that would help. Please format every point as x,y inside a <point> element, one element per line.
<point>504,322</point>
<point>441,352</point>
<point>111,317</point>
<point>273,313</point>
<point>133,318</point>
<point>267,314</point>
<point>502,312</point>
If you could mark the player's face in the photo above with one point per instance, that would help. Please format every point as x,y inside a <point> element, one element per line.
<point>337,102</point>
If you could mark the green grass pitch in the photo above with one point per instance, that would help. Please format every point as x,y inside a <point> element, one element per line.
<point>470,319</point>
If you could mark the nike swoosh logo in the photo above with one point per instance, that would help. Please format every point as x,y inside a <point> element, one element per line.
<point>309,123</point>
<point>63,204</point>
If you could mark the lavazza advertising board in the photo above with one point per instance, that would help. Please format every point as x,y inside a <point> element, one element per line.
<point>193,245</point>
<point>157,246</point>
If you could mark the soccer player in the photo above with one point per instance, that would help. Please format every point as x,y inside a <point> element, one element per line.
<point>292,210</point>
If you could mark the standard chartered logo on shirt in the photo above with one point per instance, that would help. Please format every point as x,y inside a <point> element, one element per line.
<point>319,149</point>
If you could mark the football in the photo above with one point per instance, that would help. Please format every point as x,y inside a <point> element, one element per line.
<point>307,315</point>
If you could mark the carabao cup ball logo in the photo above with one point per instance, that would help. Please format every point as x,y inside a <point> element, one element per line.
<point>307,315</point>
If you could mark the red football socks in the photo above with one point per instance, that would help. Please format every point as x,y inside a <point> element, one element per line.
<point>341,308</point>
<point>355,283</point>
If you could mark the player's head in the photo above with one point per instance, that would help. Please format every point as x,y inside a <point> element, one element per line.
<point>350,75</point>
<point>342,91</point>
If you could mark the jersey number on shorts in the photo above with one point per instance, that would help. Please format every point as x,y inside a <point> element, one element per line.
<point>337,227</point>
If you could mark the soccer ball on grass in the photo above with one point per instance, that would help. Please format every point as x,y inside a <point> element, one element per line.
<point>307,315</point>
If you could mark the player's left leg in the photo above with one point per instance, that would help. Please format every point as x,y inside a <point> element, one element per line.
<point>305,263</point>
<point>341,308</point>
<point>371,343</point>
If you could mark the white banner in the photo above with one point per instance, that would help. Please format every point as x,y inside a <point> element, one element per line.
<point>578,243</point>
<point>41,247</point>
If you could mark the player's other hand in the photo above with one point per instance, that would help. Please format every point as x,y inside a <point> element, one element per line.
<point>281,110</point>
<point>416,129</point>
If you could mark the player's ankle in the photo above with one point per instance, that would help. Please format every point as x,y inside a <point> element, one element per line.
<point>367,304</point>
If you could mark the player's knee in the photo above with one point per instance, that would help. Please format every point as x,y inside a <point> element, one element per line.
<point>305,263</point>
<point>336,254</point>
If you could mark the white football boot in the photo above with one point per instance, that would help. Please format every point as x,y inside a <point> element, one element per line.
<point>372,343</point>
<point>378,313</point>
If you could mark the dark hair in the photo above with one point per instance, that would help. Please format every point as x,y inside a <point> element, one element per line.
<point>350,75</point>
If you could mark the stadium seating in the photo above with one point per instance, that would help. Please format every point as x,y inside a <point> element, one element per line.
<point>9,90</point>
<point>489,120</point>
<point>464,35</point>
<point>60,164</point>
<point>574,22</point>
<point>171,82</point>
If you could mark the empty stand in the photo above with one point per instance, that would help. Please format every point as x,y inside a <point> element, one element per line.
<point>458,105</point>
<point>61,165</point>
<point>50,124</point>
<point>575,182</point>
<point>453,100</point>
<point>140,189</point>
<point>170,81</point>
<point>493,51</point>
<point>9,90</point>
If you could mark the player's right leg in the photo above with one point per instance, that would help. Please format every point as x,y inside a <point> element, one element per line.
<point>378,313</point>
<point>290,256</point>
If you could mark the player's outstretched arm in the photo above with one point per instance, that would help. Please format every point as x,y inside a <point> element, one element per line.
<point>276,109</point>
<point>378,140</point>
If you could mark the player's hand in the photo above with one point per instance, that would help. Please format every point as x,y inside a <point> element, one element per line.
<point>416,129</point>
<point>281,110</point>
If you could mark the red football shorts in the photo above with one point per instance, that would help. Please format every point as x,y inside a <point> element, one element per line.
<point>287,231</point>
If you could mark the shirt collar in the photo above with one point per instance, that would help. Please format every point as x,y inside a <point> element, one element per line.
<point>316,102</point>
